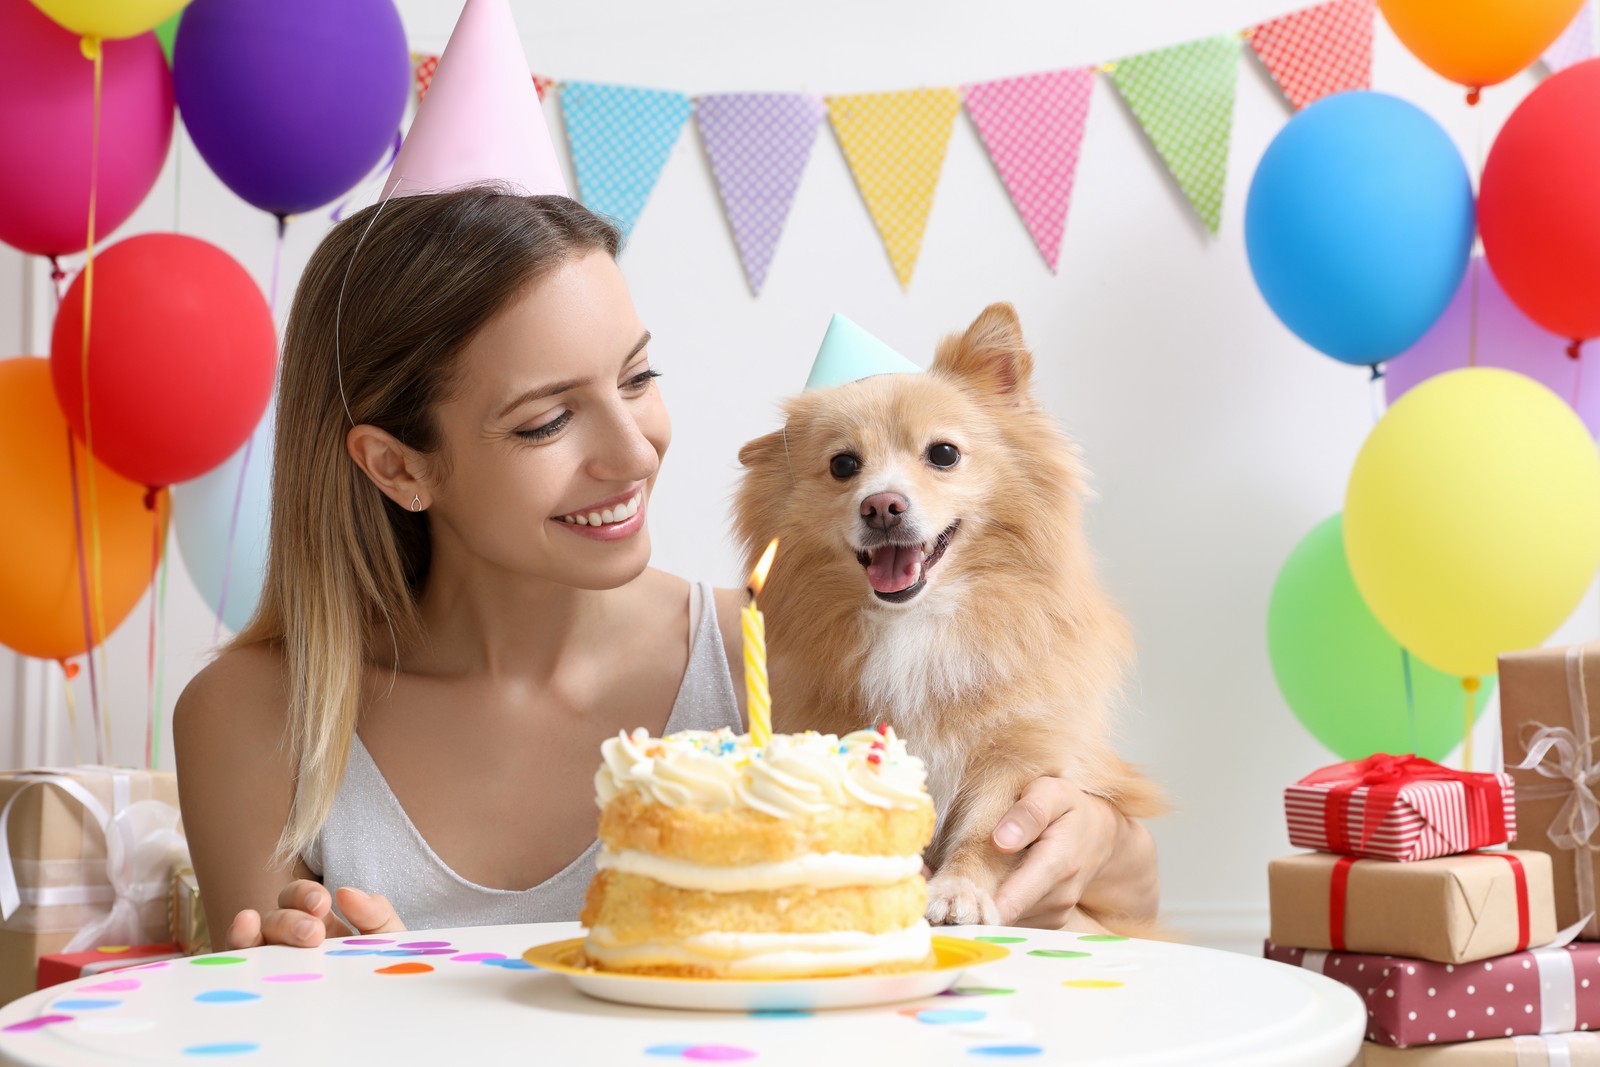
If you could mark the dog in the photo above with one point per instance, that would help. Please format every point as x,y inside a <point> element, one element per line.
<point>933,574</point>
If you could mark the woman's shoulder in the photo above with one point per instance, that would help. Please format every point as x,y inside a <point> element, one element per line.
<point>240,694</point>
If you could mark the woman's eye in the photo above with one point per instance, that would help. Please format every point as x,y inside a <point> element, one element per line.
<point>640,380</point>
<point>539,433</point>
<point>844,466</point>
<point>944,454</point>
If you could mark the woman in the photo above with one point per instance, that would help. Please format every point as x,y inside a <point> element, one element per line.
<point>458,608</point>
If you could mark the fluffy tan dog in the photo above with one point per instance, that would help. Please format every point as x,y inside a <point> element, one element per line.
<point>933,574</point>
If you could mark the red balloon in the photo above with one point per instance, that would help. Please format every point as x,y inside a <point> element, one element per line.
<point>1538,206</point>
<point>182,352</point>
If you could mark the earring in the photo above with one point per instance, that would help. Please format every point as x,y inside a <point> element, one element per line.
<point>416,502</point>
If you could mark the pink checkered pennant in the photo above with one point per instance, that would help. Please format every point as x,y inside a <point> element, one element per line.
<point>1318,51</point>
<point>1033,129</point>
<point>1575,44</point>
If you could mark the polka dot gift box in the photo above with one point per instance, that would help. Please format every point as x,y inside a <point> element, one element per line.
<point>1417,1002</point>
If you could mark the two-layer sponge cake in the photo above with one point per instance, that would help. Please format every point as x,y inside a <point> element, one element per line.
<point>722,859</point>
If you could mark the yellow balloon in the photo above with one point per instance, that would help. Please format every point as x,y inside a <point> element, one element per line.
<point>110,19</point>
<point>1472,518</point>
<point>1478,42</point>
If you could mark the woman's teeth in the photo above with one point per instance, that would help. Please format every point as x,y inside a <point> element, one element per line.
<point>607,516</point>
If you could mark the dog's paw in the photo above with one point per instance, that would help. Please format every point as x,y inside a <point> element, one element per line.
<point>956,900</point>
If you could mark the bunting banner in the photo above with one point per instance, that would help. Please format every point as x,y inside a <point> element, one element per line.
<point>1317,52</point>
<point>1576,42</point>
<point>1183,98</point>
<point>425,65</point>
<point>758,145</point>
<point>620,138</point>
<point>1033,129</point>
<point>895,145</point>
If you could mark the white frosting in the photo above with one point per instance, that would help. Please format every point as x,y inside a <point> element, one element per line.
<point>770,955</point>
<point>817,870</point>
<point>796,774</point>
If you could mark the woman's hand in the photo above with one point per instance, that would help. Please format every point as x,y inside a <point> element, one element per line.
<point>304,916</point>
<point>1080,850</point>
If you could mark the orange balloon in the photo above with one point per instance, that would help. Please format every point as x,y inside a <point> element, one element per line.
<point>1478,42</point>
<point>41,598</point>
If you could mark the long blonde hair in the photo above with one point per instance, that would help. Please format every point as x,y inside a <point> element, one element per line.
<point>387,301</point>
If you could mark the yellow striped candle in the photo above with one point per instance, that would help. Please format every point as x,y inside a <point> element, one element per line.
<point>753,628</point>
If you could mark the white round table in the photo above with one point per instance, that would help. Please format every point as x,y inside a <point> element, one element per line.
<point>465,996</point>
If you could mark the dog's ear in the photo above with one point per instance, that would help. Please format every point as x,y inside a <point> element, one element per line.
<point>764,450</point>
<point>991,356</point>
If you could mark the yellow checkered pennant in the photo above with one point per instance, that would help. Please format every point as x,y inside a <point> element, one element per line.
<point>895,144</point>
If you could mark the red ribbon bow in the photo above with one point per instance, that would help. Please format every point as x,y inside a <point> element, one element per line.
<point>1385,776</point>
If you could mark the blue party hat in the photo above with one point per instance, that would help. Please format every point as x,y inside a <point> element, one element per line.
<point>849,353</point>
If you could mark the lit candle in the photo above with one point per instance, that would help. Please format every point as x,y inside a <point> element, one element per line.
<point>758,697</point>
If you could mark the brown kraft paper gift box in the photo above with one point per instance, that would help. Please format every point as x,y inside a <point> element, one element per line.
<point>56,848</point>
<point>1549,710</point>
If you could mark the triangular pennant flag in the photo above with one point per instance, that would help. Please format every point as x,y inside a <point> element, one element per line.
<point>758,144</point>
<point>895,145</point>
<point>1576,42</point>
<point>1033,128</point>
<point>1183,97</point>
<point>1318,51</point>
<point>541,85</point>
<point>620,138</point>
<point>426,65</point>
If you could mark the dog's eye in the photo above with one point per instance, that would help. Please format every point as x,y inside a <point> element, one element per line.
<point>844,466</point>
<point>944,455</point>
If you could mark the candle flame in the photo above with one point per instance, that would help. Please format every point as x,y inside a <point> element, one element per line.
<point>758,577</point>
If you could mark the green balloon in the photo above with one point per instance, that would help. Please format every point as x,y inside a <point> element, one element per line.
<point>166,33</point>
<point>1342,674</point>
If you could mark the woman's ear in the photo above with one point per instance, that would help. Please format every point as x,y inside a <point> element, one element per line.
<point>990,356</point>
<point>393,467</point>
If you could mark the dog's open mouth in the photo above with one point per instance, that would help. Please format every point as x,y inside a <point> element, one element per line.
<point>898,572</point>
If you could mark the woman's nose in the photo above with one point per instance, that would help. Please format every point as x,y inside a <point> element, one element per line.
<point>625,452</point>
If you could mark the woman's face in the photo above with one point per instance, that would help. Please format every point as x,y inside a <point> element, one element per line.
<point>555,433</point>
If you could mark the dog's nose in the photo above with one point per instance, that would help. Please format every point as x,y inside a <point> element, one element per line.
<point>883,510</point>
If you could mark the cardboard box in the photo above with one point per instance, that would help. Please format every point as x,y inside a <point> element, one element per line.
<point>65,966</point>
<point>188,915</point>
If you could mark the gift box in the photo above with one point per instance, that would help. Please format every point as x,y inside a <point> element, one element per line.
<point>1579,1049</point>
<point>1419,1002</point>
<point>60,889</point>
<point>188,915</point>
<point>58,967</point>
<point>1549,701</point>
<point>1399,808</point>
<point>1453,909</point>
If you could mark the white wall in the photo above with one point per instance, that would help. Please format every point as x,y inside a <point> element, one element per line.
<point>1217,439</point>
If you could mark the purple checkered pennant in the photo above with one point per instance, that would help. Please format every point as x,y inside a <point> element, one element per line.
<point>758,144</point>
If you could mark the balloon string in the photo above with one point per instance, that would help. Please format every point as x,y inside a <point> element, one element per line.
<point>150,655</point>
<point>72,713</point>
<point>1469,689</point>
<point>83,592</point>
<point>161,660</point>
<point>233,533</point>
<point>1476,267</point>
<point>1411,700</point>
<point>93,49</point>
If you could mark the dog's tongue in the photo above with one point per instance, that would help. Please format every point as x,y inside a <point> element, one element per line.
<point>895,567</point>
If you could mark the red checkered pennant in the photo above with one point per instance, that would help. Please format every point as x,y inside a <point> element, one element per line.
<point>1318,51</point>
<point>426,65</point>
<point>541,84</point>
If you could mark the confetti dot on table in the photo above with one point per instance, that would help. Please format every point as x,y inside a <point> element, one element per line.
<point>1101,937</point>
<point>369,941</point>
<point>1007,1050</point>
<point>1058,953</point>
<point>667,1050</point>
<point>976,991</point>
<point>431,951</point>
<point>156,966</point>
<point>355,952</point>
<point>478,957</point>
<point>85,1005</point>
<point>1001,940</point>
<point>226,996</point>
<point>119,985</point>
<point>222,1048</point>
<point>216,961</point>
<point>425,944</point>
<point>717,1053</point>
<point>36,1023</point>
<point>951,1015</point>
<point>510,965</point>
<point>405,968</point>
<point>780,1013</point>
<point>299,977</point>
<point>1092,983</point>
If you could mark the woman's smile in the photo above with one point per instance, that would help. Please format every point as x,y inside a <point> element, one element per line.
<point>611,519</point>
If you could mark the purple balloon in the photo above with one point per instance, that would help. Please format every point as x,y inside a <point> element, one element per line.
<point>291,102</point>
<point>1506,338</point>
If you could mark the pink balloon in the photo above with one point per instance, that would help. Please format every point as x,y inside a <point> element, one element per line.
<point>1507,339</point>
<point>47,124</point>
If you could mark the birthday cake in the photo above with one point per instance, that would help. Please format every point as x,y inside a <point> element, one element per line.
<point>723,859</point>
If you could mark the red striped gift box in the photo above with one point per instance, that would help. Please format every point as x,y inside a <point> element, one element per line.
<point>1399,808</point>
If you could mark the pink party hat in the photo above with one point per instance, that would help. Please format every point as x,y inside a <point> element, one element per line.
<point>481,119</point>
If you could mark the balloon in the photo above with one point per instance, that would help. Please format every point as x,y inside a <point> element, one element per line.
<point>1538,212</point>
<point>109,18</point>
<point>291,102</point>
<point>47,128</point>
<point>1472,517</point>
<point>1478,42</point>
<point>1359,224</point>
<point>41,597</point>
<point>166,33</point>
<point>1505,338</point>
<point>182,352</point>
<point>203,513</point>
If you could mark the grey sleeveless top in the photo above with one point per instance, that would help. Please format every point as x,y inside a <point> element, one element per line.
<point>368,841</point>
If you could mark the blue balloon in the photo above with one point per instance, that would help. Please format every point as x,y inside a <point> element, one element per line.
<point>202,512</point>
<point>1359,225</point>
